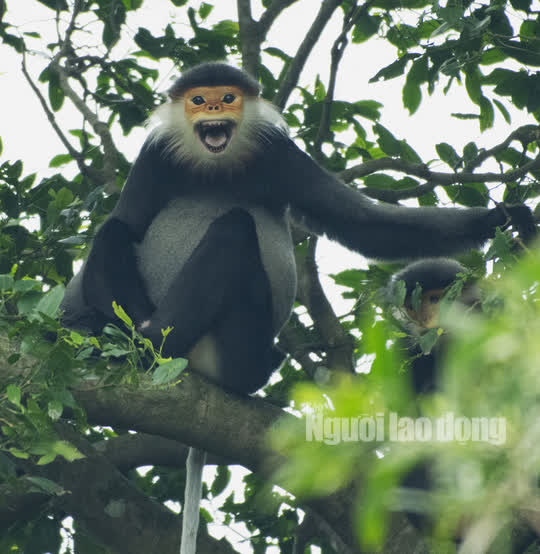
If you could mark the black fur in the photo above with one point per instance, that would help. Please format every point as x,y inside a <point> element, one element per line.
<point>225,285</point>
<point>214,74</point>
<point>429,274</point>
<point>224,268</point>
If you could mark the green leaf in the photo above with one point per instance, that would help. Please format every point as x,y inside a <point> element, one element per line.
<point>19,453</point>
<point>380,181</point>
<point>395,69</point>
<point>60,159</point>
<point>388,143</point>
<point>277,53</point>
<point>55,409</point>
<point>366,26</point>
<point>411,95</point>
<point>447,154</point>
<point>428,340</point>
<point>45,485</point>
<point>416,298</point>
<point>399,293</point>
<point>67,451</point>
<point>50,303</point>
<point>169,371</point>
<point>55,4</point>
<point>221,480</point>
<point>487,114</point>
<point>13,393</point>
<point>121,314</point>
<point>503,110</point>
<point>46,459</point>
<point>6,282</point>
<point>469,194</point>
<point>473,86</point>
<point>470,152</point>
<point>56,92</point>
<point>204,10</point>
<point>492,56</point>
<point>24,285</point>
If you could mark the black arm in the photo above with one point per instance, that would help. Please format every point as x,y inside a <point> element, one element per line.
<point>111,271</point>
<point>380,231</point>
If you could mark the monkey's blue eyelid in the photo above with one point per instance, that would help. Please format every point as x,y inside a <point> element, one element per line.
<point>198,100</point>
<point>229,98</point>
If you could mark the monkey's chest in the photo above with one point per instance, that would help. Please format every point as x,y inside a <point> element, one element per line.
<point>178,229</point>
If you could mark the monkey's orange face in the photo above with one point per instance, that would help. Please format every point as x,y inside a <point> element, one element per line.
<point>215,113</point>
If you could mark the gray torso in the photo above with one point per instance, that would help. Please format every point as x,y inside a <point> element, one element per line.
<point>179,228</point>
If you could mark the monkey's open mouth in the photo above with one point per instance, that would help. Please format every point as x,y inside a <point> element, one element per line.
<point>215,135</point>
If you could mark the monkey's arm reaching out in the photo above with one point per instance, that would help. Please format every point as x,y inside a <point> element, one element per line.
<point>111,271</point>
<point>383,231</point>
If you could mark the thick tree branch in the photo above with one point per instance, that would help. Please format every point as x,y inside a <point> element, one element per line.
<point>198,414</point>
<point>134,450</point>
<point>250,40</point>
<point>113,510</point>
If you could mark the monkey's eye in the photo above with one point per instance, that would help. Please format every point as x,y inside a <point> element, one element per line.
<point>229,98</point>
<point>198,100</point>
<point>433,299</point>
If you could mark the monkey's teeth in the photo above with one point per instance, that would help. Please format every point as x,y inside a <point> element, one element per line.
<point>215,135</point>
<point>216,140</point>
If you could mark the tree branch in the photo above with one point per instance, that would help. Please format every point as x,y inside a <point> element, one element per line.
<point>336,54</point>
<point>76,155</point>
<point>108,173</point>
<point>134,450</point>
<point>250,41</point>
<point>114,510</point>
<point>253,33</point>
<point>337,342</point>
<point>195,413</point>
<point>271,14</point>
<point>525,134</point>
<point>295,68</point>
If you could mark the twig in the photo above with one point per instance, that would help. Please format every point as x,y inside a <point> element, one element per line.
<point>297,64</point>
<point>77,156</point>
<point>336,54</point>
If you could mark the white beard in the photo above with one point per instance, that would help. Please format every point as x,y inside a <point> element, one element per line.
<point>259,120</point>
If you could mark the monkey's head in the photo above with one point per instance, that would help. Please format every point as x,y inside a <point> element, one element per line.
<point>215,118</point>
<point>426,282</point>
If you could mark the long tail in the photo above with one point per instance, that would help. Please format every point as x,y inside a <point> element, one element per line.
<point>192,499</point>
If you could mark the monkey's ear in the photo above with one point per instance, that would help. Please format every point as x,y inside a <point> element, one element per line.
<point>522,219</point>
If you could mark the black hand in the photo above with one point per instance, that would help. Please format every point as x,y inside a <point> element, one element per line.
<point>522,219</point>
